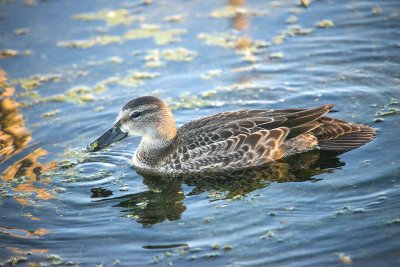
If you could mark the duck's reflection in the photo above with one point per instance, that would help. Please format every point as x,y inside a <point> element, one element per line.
<point>14,137</point>
<point>164,200</point>
<point>23,174</point>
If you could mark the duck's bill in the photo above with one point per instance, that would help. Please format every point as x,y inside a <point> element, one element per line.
<point>112,135</point>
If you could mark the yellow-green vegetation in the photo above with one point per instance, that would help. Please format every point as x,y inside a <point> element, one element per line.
<point>291,20</point>
<point>55,260</point>
<point>215,246</point>
<point>102,40</point>
<point>94,145</point>
<point>277,55</point>
<point>13,261</point>
<point>173,18</point>
<point>78,94</point>
<point>8,53</point>
<point>154,58</point>
<point>160,37</point>
<point>51,113</point>
<point>30,94</point>
<point>243,45</point>
<point>224,40</point>
<point>136,79</point>
<point>269,234</point>
<point>115,60</point>
<point>111,17</point>
<point>387,112</point>
<point>389,109</point>
<point>376,10</point>
<point>227,247</point>
<point>211,74</point>
<point>68,171</point>
<point>36,80</point>
<point>21,31</point>
<point>233,11</point>
<point>290,32</point>
<point>325,23</point>
<point>394,221</point>
<point>190,101</point>
<point>98,108</point>
<point>178,54</point>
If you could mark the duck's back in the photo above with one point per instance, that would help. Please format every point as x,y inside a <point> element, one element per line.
<point>240,139</point>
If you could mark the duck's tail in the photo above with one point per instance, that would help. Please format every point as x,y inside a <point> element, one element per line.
<point>341,136</point>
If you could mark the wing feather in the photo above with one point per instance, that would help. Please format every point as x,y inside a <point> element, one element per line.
<point>242,138</point>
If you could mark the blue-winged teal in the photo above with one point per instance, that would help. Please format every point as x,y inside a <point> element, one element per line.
<point>228,140</point>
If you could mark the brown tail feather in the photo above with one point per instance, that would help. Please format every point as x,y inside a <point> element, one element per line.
<point>358,135</point>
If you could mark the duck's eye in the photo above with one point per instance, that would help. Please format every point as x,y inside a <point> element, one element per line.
<point>135,114</point>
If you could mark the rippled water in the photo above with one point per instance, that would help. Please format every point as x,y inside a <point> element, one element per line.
<point>59,205</point>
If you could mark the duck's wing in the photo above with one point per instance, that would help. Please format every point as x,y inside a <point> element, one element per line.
<point>216,120</point>
<point>239,139</point>
<point>267,119</point>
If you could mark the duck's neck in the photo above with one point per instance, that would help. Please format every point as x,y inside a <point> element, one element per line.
<point>157,142</point>
<point>154,148</point>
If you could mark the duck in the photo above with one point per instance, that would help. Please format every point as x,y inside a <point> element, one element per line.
<point>227,141</point>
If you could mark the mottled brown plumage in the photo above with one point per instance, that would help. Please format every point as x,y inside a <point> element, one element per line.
<point>231,140</point>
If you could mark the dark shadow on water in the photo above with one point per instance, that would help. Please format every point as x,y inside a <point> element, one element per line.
<point>165,198</point>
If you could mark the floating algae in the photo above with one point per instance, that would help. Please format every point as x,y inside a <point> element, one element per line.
<point>211,74</point>
<point>50,113</point>
<point>9,53</point>
<point>102,40</point>
<point>231,11</point>
<point>137,79</point>
<point>173,18</point>
<point>376,10</point>
<point>111,17</point>
<point>178,54</point>
<point>219,39</point>
<point>389,109</point>
<point>325,23</point>
<point>242,45</point>
<point>290,31</point>
<point>387,112</point>
<point>189,101</point>
<point>160,37</point>
<point>154,58</point>
<point>291,20</point>
<point>76,95</point>
<point>115,60</point>
<point>21,31</point>
<point>276,55</point>
<point>36,80</point>
<point>153,55</point>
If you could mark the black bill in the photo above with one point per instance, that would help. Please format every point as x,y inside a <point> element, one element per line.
<point>112,135</point>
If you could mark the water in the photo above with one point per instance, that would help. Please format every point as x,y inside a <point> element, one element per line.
<point>59,205</point>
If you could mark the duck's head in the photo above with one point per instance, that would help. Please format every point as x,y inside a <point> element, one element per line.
<point>146,116</point>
